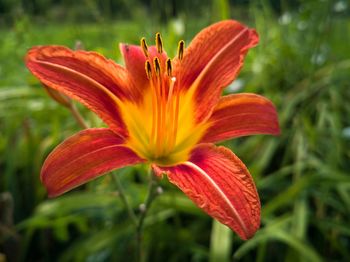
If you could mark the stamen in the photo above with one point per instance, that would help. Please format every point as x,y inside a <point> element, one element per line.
<point>144,46</point>
<point>157,66</point>
<point>180,49</point>
<point>159,43</point>
<point>168,67</point>
<point>148,69</point>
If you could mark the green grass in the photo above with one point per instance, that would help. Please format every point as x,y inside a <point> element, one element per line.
<point>302,64</point>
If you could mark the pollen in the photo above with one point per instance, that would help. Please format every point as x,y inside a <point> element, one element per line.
<point>168,67</point>
<point>148,69</point>
<point>180,49</point>
<point>157,66</point>
<point>144,46</point>
<point>159,43</point>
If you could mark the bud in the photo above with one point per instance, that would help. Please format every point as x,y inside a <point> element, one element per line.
<point>159,190</point>
<point>142,208</point>
<point>78,45</point>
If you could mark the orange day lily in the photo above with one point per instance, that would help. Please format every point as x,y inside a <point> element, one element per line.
<point>164,112</point>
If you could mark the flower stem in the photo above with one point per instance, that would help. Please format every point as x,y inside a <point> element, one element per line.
<point>120,189</point>
<point>80,120</point>
<point>151,195</point>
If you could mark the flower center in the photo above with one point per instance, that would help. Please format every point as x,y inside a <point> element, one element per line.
<point>162,128</point>
<point>165,102</point>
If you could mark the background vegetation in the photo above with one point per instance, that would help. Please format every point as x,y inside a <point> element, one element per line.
<point>302,64</point>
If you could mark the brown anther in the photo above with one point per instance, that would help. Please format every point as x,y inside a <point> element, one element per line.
<point>144,46</point>
<point>169,68</point>
<point>159,43</point>
<point>180,49</point>
<point>148,69</point>
<point>157,66</point>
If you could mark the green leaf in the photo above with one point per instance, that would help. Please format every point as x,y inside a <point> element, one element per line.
<point>300,246</point>
<point>220,242</point>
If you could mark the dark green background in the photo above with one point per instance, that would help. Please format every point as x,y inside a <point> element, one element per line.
<point>302,64</point>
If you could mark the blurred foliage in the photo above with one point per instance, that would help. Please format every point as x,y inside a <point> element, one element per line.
<point>302,64</point>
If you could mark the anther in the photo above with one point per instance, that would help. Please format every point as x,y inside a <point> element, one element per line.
<point>148,69</point>
<point>144,46</point>
<point>168,67</point>
<point>180,49</point>
<point>157,66</point>
<point>159,43</point>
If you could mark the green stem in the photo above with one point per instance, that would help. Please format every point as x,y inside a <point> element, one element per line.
<point>151,195</point>
<point>120,189</point>
<point>80,120</point>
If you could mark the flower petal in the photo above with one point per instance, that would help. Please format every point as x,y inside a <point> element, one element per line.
<point>83,157</point>
<point>88,77</point>
<point>135,62</point>
<point>219,183</point>
<point>242,115</point>
<point>212,61</point>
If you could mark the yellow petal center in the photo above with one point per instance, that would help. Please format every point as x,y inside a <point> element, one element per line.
<point>162,127</point>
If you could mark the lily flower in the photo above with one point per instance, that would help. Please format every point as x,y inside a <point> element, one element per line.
<point>166,113</point>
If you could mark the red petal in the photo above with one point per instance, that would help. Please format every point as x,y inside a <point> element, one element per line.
<point>135,62</point>
<point>85,76</point>
<point>212,61</point>
<point>219,183</point>
<point>241,115</point>
<point>83,157</point>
